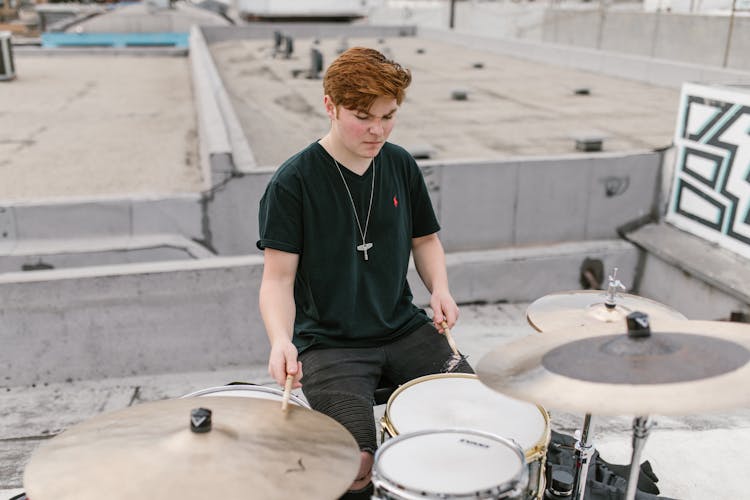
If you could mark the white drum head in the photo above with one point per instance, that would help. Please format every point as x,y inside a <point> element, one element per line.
<point>248,391</point>
<point>449,462</point>
<point>461,401</point>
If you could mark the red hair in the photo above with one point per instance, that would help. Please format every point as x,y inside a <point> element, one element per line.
<point>360,75</point>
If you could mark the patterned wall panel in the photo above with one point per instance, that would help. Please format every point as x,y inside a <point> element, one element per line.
<point>710,194</point>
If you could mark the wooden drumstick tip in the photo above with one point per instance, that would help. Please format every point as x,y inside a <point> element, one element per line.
<point>287,392</point>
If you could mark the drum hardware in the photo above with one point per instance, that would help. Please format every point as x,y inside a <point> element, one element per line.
<point>251,450</point>
<point>641,428</point>
<point>584,449</point>
<point>680,368</point>
<point>581,308</point>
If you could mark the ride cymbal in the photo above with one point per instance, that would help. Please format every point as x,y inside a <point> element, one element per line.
<point>253,450</point>
<point>683,367</point>
<point>588,308</point>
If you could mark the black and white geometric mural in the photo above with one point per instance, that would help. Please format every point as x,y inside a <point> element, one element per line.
<point>711,189</point>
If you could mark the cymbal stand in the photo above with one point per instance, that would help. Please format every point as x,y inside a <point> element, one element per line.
<point>584,450</point>
<point>641,427</point>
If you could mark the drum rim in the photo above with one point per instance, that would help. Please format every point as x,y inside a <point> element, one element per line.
<point>514,489</point>
<point>535,452</point>
<point>248,387</point>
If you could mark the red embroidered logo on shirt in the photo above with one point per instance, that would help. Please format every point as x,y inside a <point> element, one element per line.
<point>395,201</point>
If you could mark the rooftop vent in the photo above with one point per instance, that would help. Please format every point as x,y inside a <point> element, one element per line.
<point>277,39</point>
<point>459,95</point>
<point>288,47</point>
<point>589,141</point>
<point>316,64</point>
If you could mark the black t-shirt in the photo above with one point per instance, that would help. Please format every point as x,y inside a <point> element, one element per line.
<point>343,300</point>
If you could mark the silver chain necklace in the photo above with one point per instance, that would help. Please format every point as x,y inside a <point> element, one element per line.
<point>365,246</point>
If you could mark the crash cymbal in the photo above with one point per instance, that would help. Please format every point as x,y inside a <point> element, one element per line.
<point>684,367</point>
<point>252,451</point>
<point>587,308</point>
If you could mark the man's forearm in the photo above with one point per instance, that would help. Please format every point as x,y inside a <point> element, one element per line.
<point>429,259</point>
<point>277,310</point>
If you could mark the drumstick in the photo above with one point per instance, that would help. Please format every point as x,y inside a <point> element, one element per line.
<point>448,335</point>
<point>287,392</point>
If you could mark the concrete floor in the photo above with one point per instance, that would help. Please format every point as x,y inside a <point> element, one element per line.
<point>695,457</point>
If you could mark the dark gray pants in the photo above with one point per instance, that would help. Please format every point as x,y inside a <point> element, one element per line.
<point>341,382</point>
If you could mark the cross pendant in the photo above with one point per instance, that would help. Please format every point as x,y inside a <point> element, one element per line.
<point>364,247</point>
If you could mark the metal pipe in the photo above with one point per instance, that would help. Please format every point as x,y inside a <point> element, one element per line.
<point>729,34</point>
<point>641,427</point>
<point>584,450</point>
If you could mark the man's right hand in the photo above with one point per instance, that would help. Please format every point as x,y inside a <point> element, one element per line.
<point>283,362</point>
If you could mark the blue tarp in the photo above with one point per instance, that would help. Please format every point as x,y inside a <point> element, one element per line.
<point>115,40</point>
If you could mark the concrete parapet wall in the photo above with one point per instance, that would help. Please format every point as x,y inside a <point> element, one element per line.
<point>481,205</point>
<point>100,217</point>
<point>303,30</point>
<point>491,204</point>
<point>131,319</point>
<point>203,315</point>
<point>631,66</point>
<point>523,274</point>
<point>531,201</point>
<point>694,39</point>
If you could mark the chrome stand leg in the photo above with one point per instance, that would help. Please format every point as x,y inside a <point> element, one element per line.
<point>584,450</point>
<point>641,426</point>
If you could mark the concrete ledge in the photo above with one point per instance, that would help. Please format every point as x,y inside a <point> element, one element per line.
<point>76,252</point>
<point>219,128</point>
<point>710,280</point>
<point>102,217</point>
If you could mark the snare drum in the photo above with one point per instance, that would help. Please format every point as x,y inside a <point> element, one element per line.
<point>461,401</point>
<point>248,391</point>
<point>449,464</point>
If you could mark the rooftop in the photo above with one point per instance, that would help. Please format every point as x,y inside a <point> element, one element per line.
<point>132,130</point>
<point>512,107</point>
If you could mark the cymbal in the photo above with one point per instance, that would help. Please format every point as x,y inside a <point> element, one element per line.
<point>253,451</point>
<point>586,307</point>
<point>684,367</point>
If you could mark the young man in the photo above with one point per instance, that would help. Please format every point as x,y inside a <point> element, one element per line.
<point>338,222</point>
